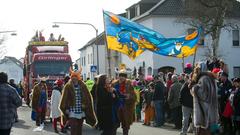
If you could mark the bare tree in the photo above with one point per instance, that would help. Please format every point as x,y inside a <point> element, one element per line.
<point>210,15</point>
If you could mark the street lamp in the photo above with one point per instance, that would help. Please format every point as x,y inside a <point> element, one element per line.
<point>13,32</point>
<point>89,24</point>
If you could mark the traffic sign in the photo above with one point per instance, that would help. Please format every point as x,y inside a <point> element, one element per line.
<point>93,68</point>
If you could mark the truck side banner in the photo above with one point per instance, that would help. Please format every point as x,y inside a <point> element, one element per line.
<point>51,58</point>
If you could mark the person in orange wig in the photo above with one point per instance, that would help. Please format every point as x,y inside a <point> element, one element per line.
<point>76,103</point>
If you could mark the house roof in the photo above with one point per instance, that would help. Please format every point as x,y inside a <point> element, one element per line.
<point>176,8</point>
<point>144,2</point>
<point>169,7</point>
<point>149,1</point>
<point>92,41</point>
<point>235,12</point>
<point>13,59</point>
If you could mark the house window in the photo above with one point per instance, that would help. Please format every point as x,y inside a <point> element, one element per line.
<point>201,40</point>
<point>235,36</point>
<point>128,14</point>
<point>91,58</point>
<point>84,76</point>
<point>88,59</point>
<point>132,13</point>
<point>236,71</point>
<point>80,61</point>
<point>149,70</point>
<point>137,10</point>
<point>84,59</point>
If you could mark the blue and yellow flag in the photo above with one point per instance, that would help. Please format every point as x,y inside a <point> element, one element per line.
<point>133,39</point>
<point>179,47</point>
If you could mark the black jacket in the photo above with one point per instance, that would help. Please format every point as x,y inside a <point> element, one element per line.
<point>105,103</point>
<point>159,91</point>
<point>186,98</point>
<point>224,88</point>
<point>236,104</point>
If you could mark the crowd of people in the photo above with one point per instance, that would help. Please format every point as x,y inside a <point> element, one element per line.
<point>39,37</point>
<point>201,100</point>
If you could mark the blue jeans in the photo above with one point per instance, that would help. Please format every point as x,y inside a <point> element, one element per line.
<point>187,112</point>
<point>159,119</point>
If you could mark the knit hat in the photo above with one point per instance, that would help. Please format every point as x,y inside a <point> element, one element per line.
<point>149,78</point>
<point>188,65</point>
<point>216,70</point>
<point>188,68</point>
<point>58,82</point>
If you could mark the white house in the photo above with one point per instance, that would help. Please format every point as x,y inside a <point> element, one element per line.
<point>86,60</point>
<point>160,15</point>
<point>107,59</point>
<point>13,67</point>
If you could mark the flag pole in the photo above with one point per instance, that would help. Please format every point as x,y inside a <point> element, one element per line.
<point>194,57</point>
<point>108,50</point>
<point>183,63</point>
<point>195,53</point>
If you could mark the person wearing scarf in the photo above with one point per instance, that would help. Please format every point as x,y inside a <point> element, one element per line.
<point>76,104</point>
<point>39,101</point>
<point>126,102</point>
<point>205,102</point>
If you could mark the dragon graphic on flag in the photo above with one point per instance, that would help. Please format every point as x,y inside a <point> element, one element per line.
<point>133,39</point>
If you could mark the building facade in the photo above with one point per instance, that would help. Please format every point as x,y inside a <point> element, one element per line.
<point>162,16</point>
<point>13,67</point>
<point>105,58</point>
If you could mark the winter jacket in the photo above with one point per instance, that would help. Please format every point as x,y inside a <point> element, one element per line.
<point>186,98</point>
<point>37,94</point>
<point>9,101</point>
<point>205,103</point>
<point>55,100</point>
<point>173,96</point>
<point>68,100</point>
<point>106,109</point>
<point>159,91</point>
<point>236,106</point>
<point>126,112</point>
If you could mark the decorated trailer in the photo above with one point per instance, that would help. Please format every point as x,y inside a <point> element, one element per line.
<point>45,58</point>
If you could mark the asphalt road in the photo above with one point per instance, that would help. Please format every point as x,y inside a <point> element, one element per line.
<point>25,126</point>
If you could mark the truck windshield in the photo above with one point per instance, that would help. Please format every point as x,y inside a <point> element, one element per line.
<point>52,67</point>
